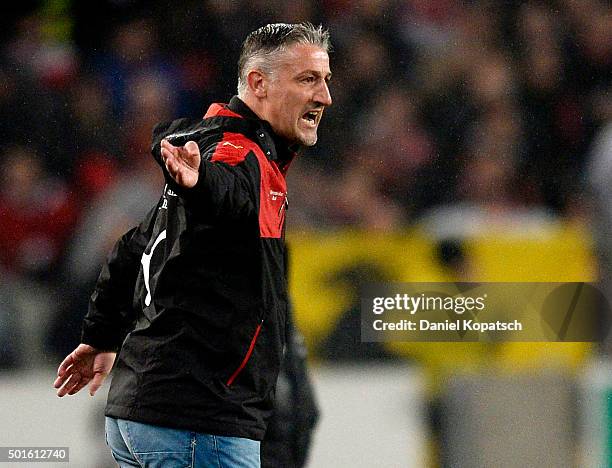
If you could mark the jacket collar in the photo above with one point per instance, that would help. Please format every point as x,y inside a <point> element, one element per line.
<point>274,147</point>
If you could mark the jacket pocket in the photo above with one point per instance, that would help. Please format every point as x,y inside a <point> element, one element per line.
<point>247,356</point>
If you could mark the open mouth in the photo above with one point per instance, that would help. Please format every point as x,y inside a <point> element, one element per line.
<point>312,118</point>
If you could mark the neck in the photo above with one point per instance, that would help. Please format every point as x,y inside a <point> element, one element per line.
<point>255,105</point>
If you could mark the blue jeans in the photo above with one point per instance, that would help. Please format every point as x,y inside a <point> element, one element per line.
<point>144,445</point>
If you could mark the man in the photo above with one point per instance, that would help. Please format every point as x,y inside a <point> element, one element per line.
<point>195,297</point>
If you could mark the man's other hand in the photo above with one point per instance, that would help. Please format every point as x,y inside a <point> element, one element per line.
<point>182,162</point>
<point>85,364</point>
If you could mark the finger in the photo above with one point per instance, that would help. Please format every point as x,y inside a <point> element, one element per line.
<point>96,383</point>
<point>171,161</point>
<point>167,154</point>
<point>72,385</point>
<point>59,381</point>
<point>166,145</point>
<point>63,377</point>
<point>79,386</point>
<point>72,380</point>
<point>67,362</point>
<point>171,166</point>
<point>192,148</point>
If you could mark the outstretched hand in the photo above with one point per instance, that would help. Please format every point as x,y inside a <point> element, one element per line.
<point>85,364</point>
<point>182,162</point>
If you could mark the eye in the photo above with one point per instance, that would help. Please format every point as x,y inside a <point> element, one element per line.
<point>308,79</point>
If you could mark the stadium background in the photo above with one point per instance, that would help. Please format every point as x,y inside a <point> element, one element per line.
<point>468,140</point>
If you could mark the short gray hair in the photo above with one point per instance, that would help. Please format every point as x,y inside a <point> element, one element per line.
<point>261,47</point>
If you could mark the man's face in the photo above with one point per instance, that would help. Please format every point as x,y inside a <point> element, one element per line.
<point>297,94</point>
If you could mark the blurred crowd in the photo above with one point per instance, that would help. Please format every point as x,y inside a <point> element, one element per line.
<point>467,106</point>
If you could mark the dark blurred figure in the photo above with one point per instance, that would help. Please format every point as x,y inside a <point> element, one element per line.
<point>554,112</point>
<point>343,344</point>
<point>288,438</point>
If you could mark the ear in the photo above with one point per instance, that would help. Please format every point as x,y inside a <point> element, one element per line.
<point>257,83</point>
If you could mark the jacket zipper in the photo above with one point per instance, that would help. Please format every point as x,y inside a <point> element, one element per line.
<point>244,362</point>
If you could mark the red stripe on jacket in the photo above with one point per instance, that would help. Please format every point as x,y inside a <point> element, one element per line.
<point>246,358</point>
<point>232,150</point>
<point>220,110</point>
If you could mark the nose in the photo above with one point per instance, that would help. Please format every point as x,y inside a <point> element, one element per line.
<point>323,96</point>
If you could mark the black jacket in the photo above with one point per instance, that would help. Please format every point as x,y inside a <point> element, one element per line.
<point>195,296</point>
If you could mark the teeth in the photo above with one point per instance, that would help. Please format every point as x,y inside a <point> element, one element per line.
<point>311,117</point>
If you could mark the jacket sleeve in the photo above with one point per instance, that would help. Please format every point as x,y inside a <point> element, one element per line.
<point>111,315</point>
<point>227,184</point>
<point>225,187</point>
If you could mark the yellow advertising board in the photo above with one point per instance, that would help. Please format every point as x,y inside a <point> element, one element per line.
<point>328,269</point>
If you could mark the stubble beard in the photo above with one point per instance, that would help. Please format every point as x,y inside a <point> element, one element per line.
<point>308,140</point>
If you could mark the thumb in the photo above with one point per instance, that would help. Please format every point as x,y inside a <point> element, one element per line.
<point>192,148</point>
<point>96,382</point>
